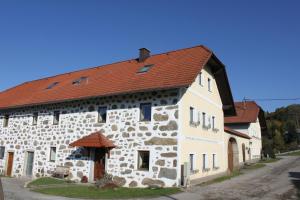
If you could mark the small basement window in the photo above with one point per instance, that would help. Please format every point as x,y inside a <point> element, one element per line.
<point>80,80</point>
<point>56,118</point>
<point>2,152</point>
<point>145,112</point>
<point>145,68</point>
<point>143,160</point>
<point>52,85</point>
<point>52,154</point>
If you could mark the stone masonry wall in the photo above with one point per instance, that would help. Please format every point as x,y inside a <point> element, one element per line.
<point>79,118</point>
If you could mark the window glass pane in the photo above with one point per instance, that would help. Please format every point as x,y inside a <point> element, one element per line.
<point>2,151</point>
<point>191,162</point>
<point>35,118</point>
<point>191,114</point>
<point>203,119</point>
<point>143,160</point>
<point>6,119</point>
<point>209,84</point>
<point>204,161</point>
<point>145,112</point>
<point>56,118</point>
<point>52,153</point>
<point>102,113</point>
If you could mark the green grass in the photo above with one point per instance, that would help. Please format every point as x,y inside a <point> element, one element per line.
<point>46,181</point>
<point>89,192</point>
<point>297,153</point>
<point>270,160</point>
<point>222,178</point>
<point>254,166</point>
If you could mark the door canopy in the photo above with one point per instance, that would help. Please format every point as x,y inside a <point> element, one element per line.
<point>97,140</point>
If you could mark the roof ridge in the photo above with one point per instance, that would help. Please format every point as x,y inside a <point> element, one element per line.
<point>106,65</point>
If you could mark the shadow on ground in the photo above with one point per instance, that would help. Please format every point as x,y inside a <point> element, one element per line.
<point>296,181</point>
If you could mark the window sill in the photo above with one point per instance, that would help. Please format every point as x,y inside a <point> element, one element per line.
<point>216,168</point>
<point>194,124</point>
<point>206,170</point>
<point>194,171</point>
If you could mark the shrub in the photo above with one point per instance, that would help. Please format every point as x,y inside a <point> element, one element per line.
<point>106,179</point>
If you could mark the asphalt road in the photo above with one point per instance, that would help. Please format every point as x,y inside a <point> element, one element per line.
<point>276,181</point>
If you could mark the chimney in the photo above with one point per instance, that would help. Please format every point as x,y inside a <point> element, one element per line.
<point>144,54</point>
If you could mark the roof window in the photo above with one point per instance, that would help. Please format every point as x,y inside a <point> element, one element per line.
<point>80,80</point>
<point>145,68</point>
<point>52,85</point>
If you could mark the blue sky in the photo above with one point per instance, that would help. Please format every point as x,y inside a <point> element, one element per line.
<point>258,41</point>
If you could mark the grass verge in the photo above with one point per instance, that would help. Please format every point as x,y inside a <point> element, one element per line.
<point>45,181</point>
<point>297,153</point>
<point>89,192</point>
<point>254,166</point>
<point>270,160</point>
<point>222,178</point>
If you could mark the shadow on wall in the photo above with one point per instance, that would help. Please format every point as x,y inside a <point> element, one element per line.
<point>296,181</point>
<point>80,154</point>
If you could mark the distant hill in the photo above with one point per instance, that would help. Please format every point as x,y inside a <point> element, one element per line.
<point>283,129</point>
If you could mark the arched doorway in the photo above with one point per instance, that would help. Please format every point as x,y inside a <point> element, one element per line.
<point>244,152</point>
<point>233,155</point>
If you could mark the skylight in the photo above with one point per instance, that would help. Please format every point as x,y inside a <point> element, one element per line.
<point>145,68</point>
<point>51,85</point>
<point>79,80</point>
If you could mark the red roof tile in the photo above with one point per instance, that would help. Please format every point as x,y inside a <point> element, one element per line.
<point>247,112</point>
<point>237,133</point>
<point>93,140</point>
<point>171,70</point>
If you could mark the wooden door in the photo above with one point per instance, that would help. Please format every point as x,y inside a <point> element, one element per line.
<point>230,156</point>
<point>10,161</point>
<point>29,163</point>
<point>99,163</point>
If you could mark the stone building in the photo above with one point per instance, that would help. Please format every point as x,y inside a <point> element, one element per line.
<point>157,119</point>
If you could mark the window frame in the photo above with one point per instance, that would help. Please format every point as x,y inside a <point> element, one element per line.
<point>213,122</point>
<point>192,161</point>
<point>56,117</point>
<point>209,84</point>
<point>142,116</point>
<point>214,159</point>
<point>200,79</point>
<point>35,118</point>
<point>192,110</point>
<point>50,154</point>
<point>6,120</point>
<point>204,161</point>
<point>139,152</point>
<point>2,152</point>
<point>99,115</point>
<point>203,119</point>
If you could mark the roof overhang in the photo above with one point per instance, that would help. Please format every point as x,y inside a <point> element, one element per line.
<point>96,140</point>
<point>236,133</point>
<point>219,72</point>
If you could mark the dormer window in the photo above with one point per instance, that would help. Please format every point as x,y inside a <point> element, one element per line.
<point>52,85</point>
<point>145,68</point>
<point>80,80</point>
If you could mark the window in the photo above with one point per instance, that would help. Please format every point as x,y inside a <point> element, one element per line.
<point>209,84</point>
<point>80,80</point>
<point>213,122</point>
<point>192,162</point>
<point>200,79</point>
<point>143,160</point>
<point>52,85</point>
<point>145,68</point>
<point>102,113</point>
<point>35,118</point>
<point>214,161</point>
<point>204,160</point>
<point>52,154</point>
<point>56,118</point>
<point>5,122</point>
<point>2,151</point>
<point>203,118</point>
<point>191,114</point>
<point>145,112</point>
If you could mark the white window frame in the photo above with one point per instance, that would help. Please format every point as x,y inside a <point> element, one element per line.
<point>209,84</point>
<point>50,154</point>
<point>205,161</point>
<point>192,110</point>
<point>215,161</point>
<point>193,164</point>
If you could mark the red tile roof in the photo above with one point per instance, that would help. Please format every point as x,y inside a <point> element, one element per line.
<point>247,112</point>
<point>237,133</point>
<point>93,140</point>
<point>170,70</point>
